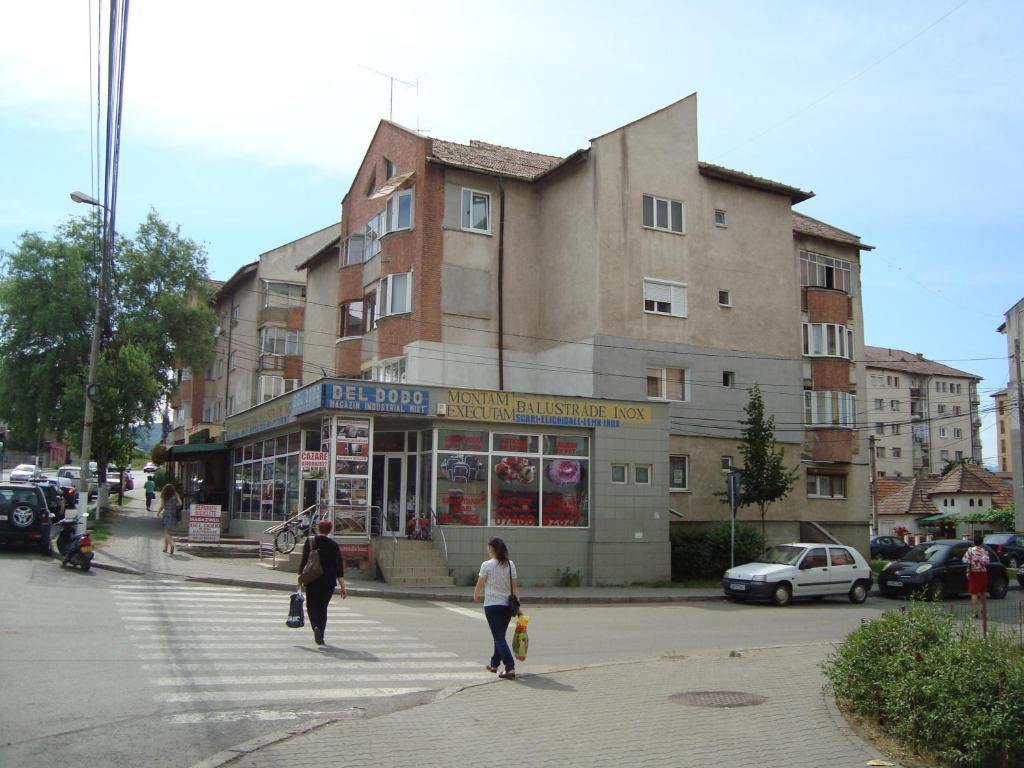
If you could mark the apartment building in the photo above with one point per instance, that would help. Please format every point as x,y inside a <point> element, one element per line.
<point>1013,329</point>
<point>629,270</point>
<point>920,414</point>
<point>1002,412</point>
<point>261,335</point>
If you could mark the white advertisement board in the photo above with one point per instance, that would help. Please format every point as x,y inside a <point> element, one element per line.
<point>204,523</point>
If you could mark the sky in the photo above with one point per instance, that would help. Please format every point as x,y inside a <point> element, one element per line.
<point>244,122</point>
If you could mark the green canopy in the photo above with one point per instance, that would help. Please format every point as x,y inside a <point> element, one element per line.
<point>937,518</point>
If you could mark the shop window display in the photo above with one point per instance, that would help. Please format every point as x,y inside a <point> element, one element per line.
<point>514,487</point>
<point>462,489</point>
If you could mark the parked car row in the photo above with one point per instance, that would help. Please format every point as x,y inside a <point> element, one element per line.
<point>1008,547</point>
<point>936,569</point>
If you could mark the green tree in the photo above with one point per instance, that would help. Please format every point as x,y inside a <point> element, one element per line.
<point>764,477</point>
<point>158,318</point>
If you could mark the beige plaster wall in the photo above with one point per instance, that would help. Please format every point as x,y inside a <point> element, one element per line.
<point>321,320</point>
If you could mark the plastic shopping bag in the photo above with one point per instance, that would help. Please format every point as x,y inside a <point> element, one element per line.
<point>296,617</point>
<point>521,640</point>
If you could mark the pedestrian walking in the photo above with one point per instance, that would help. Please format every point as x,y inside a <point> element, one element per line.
<point>170,512</point>
<point>977,559</point>
<point>495,586</point>
<point>320,591</point>
<point>150,491</point>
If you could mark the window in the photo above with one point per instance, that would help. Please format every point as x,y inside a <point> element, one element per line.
<point>354,249</point>
<point>371,185</point>
<point>821,271</point>
<point>663,297</point>
<point>270,387</point>
<point>619,474</point>
<point>958,455</point>
<point>394,294</point>
<point>389,168</point>
<point>827,486</point>
<point>895,429</point>
<point>667,384</point>
<point>185,374</point>
<point>957,411</point>
<point>879,404</point>
<point>283,294</point>
<point>719,217</point>
<point>827,340</point>
<point>880,451</point>
<point>231,404</point>
<point>211,410</point>
<point>897,453</point>
<point>374,230</point>
<point>642,474</point>
<point>879,428</point>
<point>235,312</point>
<point>944,455</point>
<point>678,473</point>
<point>728,379</point>
<point>941,409</point>
<point>476,210</point>
<point>727,462</point>
<point>278,341</point>
<point>942,431</point>
<point>958,389</point>
<point>398,212</point>
<point>957,433</point>
<point>829,408</point>
<point>233,359</point>
<point>970,502</point>
<point>390,371</point>
<point>664,214</point>
<point>894,405</point>
<point>841,556</point>
<point>724,298</point>
<point>351,319</point>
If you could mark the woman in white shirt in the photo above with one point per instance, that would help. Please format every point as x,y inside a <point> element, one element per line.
<point>497,582</point>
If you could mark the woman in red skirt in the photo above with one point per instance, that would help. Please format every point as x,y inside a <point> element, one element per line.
<point>977,560</point>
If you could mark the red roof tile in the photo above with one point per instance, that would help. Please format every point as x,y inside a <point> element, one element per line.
<point>492,158</point>
<point>899,360</point>
<point>806,225</point>
<point>910,500</point>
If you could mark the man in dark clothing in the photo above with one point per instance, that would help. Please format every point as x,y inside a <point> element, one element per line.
<point>319,591</point>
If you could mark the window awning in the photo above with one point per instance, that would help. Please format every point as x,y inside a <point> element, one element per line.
<point>179,451</point>
<point>937,518</point>
<point>395,182</point>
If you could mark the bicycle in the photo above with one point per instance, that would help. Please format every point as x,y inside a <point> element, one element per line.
<point>291,531</point>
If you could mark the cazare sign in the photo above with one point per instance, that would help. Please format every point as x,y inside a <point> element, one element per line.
<point>512,408</point>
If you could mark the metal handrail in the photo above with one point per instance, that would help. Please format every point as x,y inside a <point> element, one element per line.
<point>293,522</point>
<point>434,526</point>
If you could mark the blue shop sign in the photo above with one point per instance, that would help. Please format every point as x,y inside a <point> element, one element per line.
<point>371,397</point>
<point>308,399</point>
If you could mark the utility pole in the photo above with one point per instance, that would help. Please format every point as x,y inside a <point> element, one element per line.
<point>872,488</point>
<point>1020,410</point>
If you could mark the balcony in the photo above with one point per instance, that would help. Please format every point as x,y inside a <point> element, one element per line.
<point>271,362</point>
<point>916,393</point>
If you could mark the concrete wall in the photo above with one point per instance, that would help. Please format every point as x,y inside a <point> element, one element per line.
<point>321,321</point>
<point>1015,337</point>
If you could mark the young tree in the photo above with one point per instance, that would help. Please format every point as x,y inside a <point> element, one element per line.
<point>157,319</point>
<point>763,477</point>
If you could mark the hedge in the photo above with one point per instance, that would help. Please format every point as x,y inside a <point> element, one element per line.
<point>704,553</point>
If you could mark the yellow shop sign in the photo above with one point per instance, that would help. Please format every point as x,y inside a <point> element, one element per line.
<point>511,408</point>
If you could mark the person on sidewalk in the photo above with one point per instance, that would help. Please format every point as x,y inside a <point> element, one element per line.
<point>170,512</point>
<point>977,560</point>
<point>494,586</point>
<point>320,591</point>
<point>150,491</point>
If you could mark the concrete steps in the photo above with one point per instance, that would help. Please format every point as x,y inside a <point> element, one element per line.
<point>411,563</point>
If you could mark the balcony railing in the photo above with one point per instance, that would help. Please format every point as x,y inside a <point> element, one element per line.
<point>271,362</point>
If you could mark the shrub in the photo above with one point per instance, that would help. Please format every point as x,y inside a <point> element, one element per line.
<point>935,685</point>
<point>704,553</point>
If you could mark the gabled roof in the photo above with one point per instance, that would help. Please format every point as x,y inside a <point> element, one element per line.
<point>492,158</point>
<point>320,254</point>
<point>240,274</point>
<point>795,194</point>
<point>912,499</point>
<point>967,478</point>
<point>908,362</point>
<point>886,486</point>
<point>807,225</point>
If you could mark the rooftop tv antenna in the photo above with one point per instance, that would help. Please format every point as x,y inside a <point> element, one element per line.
<point>415,85</point>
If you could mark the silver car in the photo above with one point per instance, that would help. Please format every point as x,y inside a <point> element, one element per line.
<point>788,571</point>
<point>24,473</point>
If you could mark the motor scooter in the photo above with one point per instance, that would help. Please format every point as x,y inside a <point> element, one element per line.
<point>74,548</point>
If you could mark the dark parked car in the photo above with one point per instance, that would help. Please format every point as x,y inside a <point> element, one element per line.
<point>1010,547</point>
<point>54,498</point>
<point>887,547</point>
<point>936,569</point>
<point>24,516</point>
<point>68,488</point>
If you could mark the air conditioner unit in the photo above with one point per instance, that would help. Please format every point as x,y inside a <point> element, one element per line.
<point>217,332</point>
<point>442,409</point>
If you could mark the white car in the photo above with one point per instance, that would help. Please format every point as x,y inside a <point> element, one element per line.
<point>25,472</point>
<point>149,468</point>
<point>788,571</point>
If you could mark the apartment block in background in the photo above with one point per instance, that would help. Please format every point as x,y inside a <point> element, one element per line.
<point>1013,328</point>
<point>921,414</point>
<point>261,340</point>
<point>1002,430</point>
<point>628,269</point>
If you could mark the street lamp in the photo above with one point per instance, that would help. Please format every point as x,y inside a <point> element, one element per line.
<point>94,355</point>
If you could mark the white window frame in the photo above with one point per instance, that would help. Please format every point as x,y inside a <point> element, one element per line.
<point>827,340</point>
<point>353,254</point>
<point>818,271</point>
<point>466,211</point>
<point>654,292</point>
<point>721,220</point>
<point>625,474</point>
<point>277,293</point>
<point>385,304</point>
<point>669,207</point>
<point>817,492</point>
<point>647,469</point>
<point>829,408</point>
<point>942,431</point>
<point>392,371</point>
<point>894,405</point>
<point>661,373</point>
<point>958,433</point>
<point>677,458</point>
<point>269,387</point>
<point>233,359</point>
<point>343,324</point>
<point>211,410</point>
<point>392,210</point>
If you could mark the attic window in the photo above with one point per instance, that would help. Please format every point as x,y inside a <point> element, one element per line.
<point>389,168</point>
<point>371,185</point>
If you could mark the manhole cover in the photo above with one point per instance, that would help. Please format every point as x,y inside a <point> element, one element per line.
<point>717,699</point>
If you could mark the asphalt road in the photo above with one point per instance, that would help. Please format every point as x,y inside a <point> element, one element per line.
<point>103,668</point>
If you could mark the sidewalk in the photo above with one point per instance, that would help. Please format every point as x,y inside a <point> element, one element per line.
<point>136,546</point>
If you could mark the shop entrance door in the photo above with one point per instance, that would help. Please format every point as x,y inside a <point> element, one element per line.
<point>390,491</point>
<point>311,494</point>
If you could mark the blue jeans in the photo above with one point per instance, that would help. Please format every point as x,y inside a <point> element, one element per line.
<point>498,617</point>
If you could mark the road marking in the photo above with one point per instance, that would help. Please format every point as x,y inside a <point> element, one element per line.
<point>478,615</point>
<point>189,641</point>
<point>261,628</point>
<point>325,661</point>
<point>378,677</point>
<point>161,599</point>
<point>302,694</point>
<point>252,619</point>
<point>169,657</point>
<point>258,715</point>
<point>138,588</point>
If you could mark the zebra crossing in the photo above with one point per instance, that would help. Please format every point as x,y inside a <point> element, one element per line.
<point>223,654</point>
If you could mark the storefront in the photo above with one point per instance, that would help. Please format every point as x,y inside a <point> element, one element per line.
<point>541,472</point>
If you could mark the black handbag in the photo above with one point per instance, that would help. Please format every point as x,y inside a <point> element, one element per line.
<point>513,600</point>
<point>314,569</point>
<point>296,617</point>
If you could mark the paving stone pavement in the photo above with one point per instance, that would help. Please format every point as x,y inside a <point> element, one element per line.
<point>613,715</point>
